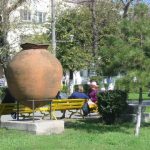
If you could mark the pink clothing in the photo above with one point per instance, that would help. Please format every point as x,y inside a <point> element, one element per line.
<point>93,95</point>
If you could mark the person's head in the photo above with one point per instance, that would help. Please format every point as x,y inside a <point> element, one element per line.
<point>80,88</point>
<point>94,85</point>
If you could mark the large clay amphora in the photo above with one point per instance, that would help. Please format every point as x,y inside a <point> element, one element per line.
<point>34,74</point>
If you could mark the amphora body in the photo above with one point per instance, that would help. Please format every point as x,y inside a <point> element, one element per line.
<point>34,74</point>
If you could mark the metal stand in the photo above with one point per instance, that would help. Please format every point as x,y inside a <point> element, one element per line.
<point>50,110</point>
<point>33,107</point>
<point>17,110</point>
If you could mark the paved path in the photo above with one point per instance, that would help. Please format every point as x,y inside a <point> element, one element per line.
<point>144,103</point>
<point>58,114</point>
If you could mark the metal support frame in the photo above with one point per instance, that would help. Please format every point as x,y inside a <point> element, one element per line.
<point>17,110</point>
<point>33,107</point>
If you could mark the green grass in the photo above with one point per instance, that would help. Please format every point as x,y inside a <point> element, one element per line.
<point>80,135</point>
<point>135,96</point>
<point>147,109</point>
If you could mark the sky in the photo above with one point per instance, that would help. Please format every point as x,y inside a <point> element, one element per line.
<point>146,1</point>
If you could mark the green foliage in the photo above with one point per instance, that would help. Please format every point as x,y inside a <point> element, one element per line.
<point>72,54</point>
<point>2,93</point>
<point>96,78</point>
<point>127,82</point>
<point>123,44</point>
<point>111,104</point>
<point>40,39</point>
<point>73,58</point>
<point>123,83</point>
<point>37,39</point>
<point>64,89</point>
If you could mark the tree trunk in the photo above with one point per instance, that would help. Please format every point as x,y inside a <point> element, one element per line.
<point>126,7</point>
<point>139,114</point>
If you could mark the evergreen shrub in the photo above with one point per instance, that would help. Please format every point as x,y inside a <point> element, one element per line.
<point>111,104</point>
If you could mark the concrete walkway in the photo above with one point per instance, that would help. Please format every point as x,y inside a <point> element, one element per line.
<point>58,114</point>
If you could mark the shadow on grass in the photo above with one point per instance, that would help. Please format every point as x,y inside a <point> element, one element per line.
<point>95,125</point>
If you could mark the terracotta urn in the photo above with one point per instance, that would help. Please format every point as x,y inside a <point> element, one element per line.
<point>34,74</point>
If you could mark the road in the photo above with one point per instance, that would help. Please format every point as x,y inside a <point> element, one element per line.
<point>144,103</point>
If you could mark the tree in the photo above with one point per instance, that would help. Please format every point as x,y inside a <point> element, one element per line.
<point>122,43</point>
<point>135,34</point>
<point>74,55</point>
<point>6,7</point>
<point>126,5</point>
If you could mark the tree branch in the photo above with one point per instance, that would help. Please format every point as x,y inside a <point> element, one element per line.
<point>14,6</point>
<point>123,2</point>
<point>126,7</point>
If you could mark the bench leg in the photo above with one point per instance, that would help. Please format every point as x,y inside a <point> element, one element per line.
<point>72,113</point>
<point>45,114</point>
<point>53,115</point>
<point>80,112</point>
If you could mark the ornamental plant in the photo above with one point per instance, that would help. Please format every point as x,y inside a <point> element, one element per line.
<point>111,104</point>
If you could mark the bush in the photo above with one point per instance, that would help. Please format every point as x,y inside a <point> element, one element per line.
<point>2,93</point>
<point>111,104</point>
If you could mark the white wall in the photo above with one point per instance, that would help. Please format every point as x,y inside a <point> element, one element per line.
<point>20,28</point>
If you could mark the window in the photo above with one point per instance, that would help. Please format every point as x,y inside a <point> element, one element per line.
<point>40,17</point>
<point>25,15</point>
<point>81,73</point>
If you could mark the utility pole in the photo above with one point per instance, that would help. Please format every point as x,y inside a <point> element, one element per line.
<point>53,20</point>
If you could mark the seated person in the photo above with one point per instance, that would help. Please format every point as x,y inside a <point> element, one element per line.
<point>93,92</point>
<point>78,93</point>
<point>94,89</point>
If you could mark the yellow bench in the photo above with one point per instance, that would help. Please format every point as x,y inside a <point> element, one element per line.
<point>72,105</point>
<point>8,108</point>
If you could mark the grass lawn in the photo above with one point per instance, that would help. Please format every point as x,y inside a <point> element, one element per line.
<point>135,96</point>
<point>80,135</point>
